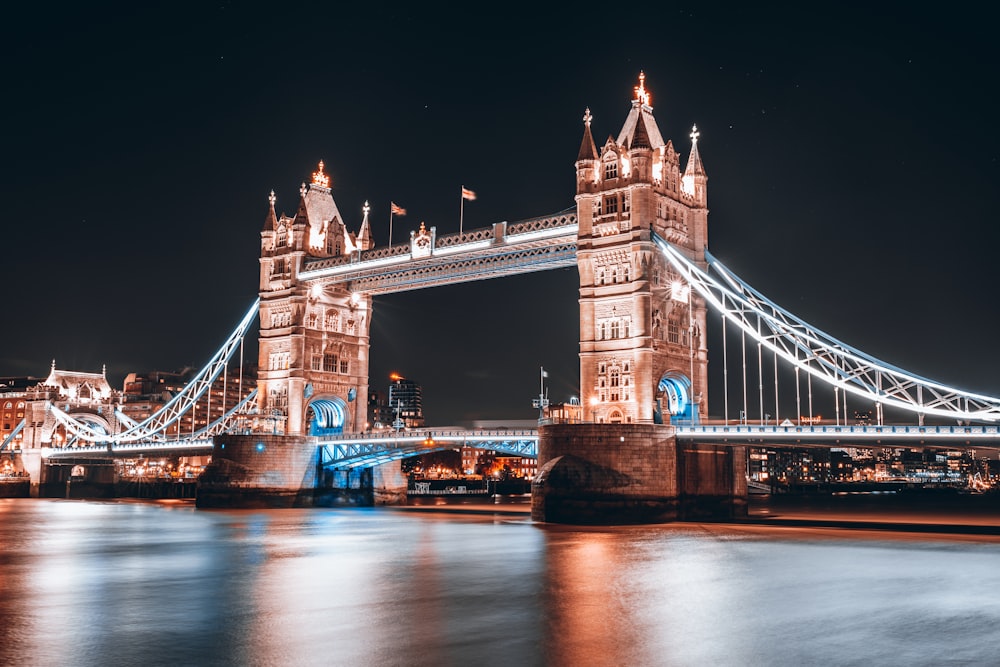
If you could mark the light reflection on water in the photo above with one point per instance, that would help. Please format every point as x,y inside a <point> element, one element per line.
<point>118,583</point>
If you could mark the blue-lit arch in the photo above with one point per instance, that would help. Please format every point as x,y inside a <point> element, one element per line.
<point>327,416</point>
<point>676,391</point>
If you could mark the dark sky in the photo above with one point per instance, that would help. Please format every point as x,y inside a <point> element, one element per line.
<point>851,154</point>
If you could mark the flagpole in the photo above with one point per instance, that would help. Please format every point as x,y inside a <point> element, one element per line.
<point>461,210</point>
<point>390,224</point>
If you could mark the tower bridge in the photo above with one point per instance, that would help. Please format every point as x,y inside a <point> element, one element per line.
<point>638,235</point>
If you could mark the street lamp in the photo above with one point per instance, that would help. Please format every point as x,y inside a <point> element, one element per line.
<point>593,408</point>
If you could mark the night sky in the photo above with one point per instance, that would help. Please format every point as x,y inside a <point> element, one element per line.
<point>851,155</point>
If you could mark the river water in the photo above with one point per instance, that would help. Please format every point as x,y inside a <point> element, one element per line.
<point>162,583</point>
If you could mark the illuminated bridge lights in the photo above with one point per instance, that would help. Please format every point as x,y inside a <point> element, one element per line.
<point>367,450</point>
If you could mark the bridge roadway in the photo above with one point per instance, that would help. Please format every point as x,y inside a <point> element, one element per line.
<point>360,450</point>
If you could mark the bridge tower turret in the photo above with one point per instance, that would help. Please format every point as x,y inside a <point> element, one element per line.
<point>642,350</point>
<point>314,338</point>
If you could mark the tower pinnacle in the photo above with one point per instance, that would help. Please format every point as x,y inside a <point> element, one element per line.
<point>319,178</point>
<point>641,94</point>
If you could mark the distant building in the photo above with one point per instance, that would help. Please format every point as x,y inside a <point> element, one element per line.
<point>143,394</point>
<point>406,403</point>
<point>379,413</point>
<point>86,396</point>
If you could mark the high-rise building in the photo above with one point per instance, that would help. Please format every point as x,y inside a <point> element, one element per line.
<point>406,403</point>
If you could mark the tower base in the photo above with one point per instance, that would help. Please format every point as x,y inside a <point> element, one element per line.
<point>613,474</point>
<point>275,471</point>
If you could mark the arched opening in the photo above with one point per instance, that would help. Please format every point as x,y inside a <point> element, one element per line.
<point>674,398</point>
<point>326,416</point>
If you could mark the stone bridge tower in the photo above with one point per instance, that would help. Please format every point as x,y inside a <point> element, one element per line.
<point>314,338</point>
<point>643,356</point>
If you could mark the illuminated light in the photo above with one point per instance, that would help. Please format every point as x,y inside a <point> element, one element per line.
<point>626,167</point>
<point>319,178</point>
<point>260,447</point>
<point>658,172</point>
<point>355,298</point>
<point>641,94</point>
<point>396,377</point>
<point>316,291</point>
<point>679,291</point>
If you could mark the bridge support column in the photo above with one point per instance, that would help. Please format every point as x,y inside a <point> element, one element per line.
<point>31,463</point>
<point>257,470</point>
<point>633,473</point>
<point>260,471</point>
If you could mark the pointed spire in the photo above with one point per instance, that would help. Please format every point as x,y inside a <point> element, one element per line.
<point>640,138</point>
<point>364,239</point>
<point>640,121</point>
<point>588,151</point>
<point>321,179</point>
<point>302,214</point>
<point>271,222</point>
<point>641,94</point>
<point>694,166</point>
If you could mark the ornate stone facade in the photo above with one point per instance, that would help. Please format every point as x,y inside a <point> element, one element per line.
<point>313,350</point>
<point>643,356</point>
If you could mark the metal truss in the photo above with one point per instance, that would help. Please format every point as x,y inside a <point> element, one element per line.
<point>13,434</point>
<point>156,424</point>
<point>367,450</point>
<point>184,446</point>
<point>808,349</point>
<point>538,244</point>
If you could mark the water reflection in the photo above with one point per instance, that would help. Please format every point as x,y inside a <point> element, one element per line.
<point>92,583</point>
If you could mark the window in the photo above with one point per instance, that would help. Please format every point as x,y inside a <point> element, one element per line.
<point>317,362</point>
<point>343,366</point>
<point>673,331</point>
<point>614,329</point>
<point>611,170</point>
<point>611,204</point>
<point>330,363</point>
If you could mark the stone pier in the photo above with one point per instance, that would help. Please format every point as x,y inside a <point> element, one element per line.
<point>633,473</point>
<point>270,471</point>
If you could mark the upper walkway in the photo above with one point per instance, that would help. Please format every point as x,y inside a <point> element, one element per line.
<point>426,260</point>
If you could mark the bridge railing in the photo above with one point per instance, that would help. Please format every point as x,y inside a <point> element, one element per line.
<point>856,430</point>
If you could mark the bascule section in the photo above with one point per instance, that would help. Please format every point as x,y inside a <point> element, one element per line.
<point>643,356</point>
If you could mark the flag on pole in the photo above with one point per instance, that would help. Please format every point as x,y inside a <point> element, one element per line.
<point>468,194</point>
<point>397,210</point>
<point>545,373</point>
